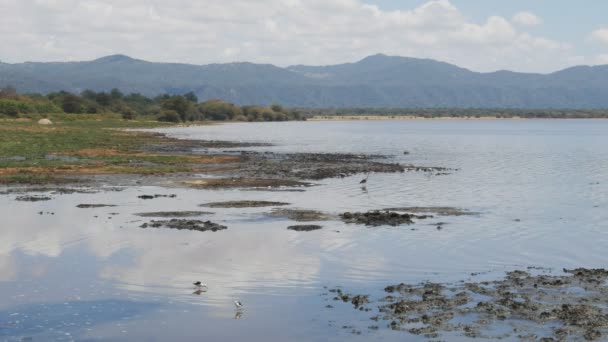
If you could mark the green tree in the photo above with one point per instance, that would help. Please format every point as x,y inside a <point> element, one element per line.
<point>103,99</point>
<point>277,108</point>
<point>190,96</point>
<point>71,104</point>
<point>179,104</point>
<point>219,110</point>
<point>116,94</point>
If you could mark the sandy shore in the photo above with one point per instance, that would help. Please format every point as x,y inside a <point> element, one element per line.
<point>401,117</point>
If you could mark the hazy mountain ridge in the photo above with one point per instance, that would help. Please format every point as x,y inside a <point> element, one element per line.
<point>375,81</point>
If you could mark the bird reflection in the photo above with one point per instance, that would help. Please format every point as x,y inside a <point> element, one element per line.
<point>199,292</point>
<point>238,315</point>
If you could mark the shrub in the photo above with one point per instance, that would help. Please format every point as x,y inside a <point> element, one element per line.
<point>9,107</point>
<point>128,114</point>
<point>169,116</point>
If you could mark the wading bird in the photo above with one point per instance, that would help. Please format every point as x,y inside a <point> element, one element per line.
<point>199,284</point>
<point>238,304</point>
<point>364,181</point>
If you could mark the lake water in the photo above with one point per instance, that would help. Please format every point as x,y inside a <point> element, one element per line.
<point>540,188</point>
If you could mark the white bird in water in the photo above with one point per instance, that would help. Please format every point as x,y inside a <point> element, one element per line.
<point>364,181</point>
<point>200,285</point>
<point>238,304</point>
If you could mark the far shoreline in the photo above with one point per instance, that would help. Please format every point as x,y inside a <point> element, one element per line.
<point>422,118</point>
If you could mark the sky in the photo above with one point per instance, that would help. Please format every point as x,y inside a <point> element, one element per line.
<point>482,35</point>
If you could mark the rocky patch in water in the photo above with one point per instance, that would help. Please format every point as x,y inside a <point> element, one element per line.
<point>33,198</point>
<point>239,182</point>
<point>299,215</point>
<point>440,211</point>
<point>53,190</point>
<point>149,197</point>
<point>305,227</point>
<point>182,224</point>
<point>174,214</point>
<point>381,218</point>
<point>92,206</point>
<point>535,307</point>
<point>317,166</point>
<point>244,204</point>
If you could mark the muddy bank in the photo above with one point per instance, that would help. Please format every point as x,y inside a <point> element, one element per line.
<point>440,211</point>
<point>189,146</point>
<point>171,162</point>
<point>166,214</point>
<point>181,224</point>
<point>243,204</point>
<point>299,215</point>
<point>381,218</point>
<point>305,228</point>
<point>520,306</point>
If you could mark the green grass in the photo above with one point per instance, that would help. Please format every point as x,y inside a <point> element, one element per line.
<point>30,140</point>
<point>69,135</point>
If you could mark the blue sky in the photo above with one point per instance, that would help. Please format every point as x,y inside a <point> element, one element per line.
<point>482,35</point>
<point>566,20</point>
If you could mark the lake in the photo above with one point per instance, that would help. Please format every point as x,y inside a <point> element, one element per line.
<point>539,188</point>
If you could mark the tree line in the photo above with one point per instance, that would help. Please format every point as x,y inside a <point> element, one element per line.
<point>166,107</point>
<point>505,113</point>
<point>186,107</point>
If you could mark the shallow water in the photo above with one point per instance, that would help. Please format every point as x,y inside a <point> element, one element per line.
<point>84,274</point>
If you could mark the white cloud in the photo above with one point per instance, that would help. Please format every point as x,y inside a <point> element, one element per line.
<point>281,32</point>
<point>527,19</point>
<point>600,35</point>
<point>602,59</point>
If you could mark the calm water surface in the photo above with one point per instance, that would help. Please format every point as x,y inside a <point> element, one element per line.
<point>92,274</point>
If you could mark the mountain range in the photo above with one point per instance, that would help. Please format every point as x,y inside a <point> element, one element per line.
<point>375,81</point>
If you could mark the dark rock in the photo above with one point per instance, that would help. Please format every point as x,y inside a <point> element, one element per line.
<point>149,197</point>
<point>380,218</point>
<point>244,204</point>
<point>89,206</point>
<point>33,198</point>
<point>304,228</point>
<point>174,214</point>
<point>181,224</point>
<point>299,215</point>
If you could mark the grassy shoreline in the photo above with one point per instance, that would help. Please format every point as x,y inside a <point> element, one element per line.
<point>35,154</point>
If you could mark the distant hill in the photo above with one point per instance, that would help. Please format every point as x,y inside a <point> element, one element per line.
<point>375,81</point>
